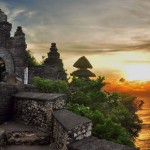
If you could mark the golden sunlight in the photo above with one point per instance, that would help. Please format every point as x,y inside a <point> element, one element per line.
<point>137,72</point>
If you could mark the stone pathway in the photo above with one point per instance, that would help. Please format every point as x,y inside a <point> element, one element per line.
<point>23,147</point>
<point>16,136</point>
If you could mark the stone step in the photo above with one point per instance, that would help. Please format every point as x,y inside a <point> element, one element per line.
<point>18,134</point>
<point>93,143</point>
<point>24,147</point>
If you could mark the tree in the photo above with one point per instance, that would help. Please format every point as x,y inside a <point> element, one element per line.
<point>31,59</point>
<point>113,115</point>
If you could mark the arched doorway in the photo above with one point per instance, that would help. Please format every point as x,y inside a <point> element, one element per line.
<point>2,67</point>
<point>6,56</point>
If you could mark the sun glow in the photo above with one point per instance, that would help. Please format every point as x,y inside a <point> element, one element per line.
<point>137,72</point>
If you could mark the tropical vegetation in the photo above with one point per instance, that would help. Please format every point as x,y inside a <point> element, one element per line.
<point>113,115</point>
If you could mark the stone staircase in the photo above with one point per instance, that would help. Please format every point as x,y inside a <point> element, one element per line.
<point>15,135</point>
<point>39,121</point>
<point>18,134</point>
<point>32,120</point>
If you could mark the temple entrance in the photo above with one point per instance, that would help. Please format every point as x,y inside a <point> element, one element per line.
<point>2,68</point>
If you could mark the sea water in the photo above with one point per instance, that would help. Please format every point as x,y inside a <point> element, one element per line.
<point>143,140</point>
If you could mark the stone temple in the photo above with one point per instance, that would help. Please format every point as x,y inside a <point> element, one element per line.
<point>29,119</point>
<point>13,55</point>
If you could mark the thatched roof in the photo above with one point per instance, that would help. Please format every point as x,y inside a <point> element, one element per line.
<point>82,63</point>
<point>83,73</point>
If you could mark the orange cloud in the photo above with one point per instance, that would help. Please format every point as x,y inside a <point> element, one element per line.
<point>136,88</point>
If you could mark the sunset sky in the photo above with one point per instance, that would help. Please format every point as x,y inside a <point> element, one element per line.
<point>113,34</point>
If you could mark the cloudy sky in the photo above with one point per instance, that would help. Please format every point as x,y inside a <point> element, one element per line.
<point>113,34</point>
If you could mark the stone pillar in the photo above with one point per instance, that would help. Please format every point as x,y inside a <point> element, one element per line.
<point>18,52</point>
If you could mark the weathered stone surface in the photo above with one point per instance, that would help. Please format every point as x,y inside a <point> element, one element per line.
<point>12,49</point>
<point>2,138</point>
<point>36,109</point>
<point>25,147</point>
<point>27,88</point>
<point>3,17</point>
<point>13,52</point>
<point>52,67</point>
<point>93,143</point>
<point>19,134</point>
<point>74,120</point>
<point>69,127</point>
<point>36,71</point>
<point>6,92</point>
<point>40,96</point>
<point>7,58</point>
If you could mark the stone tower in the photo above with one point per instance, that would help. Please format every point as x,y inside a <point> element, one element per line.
<point>53,64</point>
<point>53,56</point>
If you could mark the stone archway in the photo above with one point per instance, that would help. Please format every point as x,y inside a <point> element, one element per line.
<point>8,60</point>
<point>2,67</point>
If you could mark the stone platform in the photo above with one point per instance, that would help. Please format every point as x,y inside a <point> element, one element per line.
<point>93,143</point>
<point>27,148</point>
<point>15,133</point>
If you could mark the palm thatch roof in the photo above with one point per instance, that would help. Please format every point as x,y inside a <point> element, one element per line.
<point>82,63</point>
<point>83,73</point>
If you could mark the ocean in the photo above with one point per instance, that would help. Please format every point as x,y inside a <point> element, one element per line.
<point>143,140</point>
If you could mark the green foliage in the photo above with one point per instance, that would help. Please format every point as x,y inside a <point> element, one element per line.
<point>31,59</point>
<point>113,115</point>
<point>50,86</point>
<point>128,101</point>
<point>86,92</point>
<point>103,127</point>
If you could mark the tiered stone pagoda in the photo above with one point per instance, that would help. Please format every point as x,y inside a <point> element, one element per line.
<point>53,57</point>
<point>83,64</point>
<point>52,67</point>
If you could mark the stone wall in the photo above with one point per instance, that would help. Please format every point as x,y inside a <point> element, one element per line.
<point>12,49</point>
<point>6,92</point>
<point>27,88</point>
<point>36,71</point>
<point>14,54</point>
<point>69,127</point>
<point>60,135</point>
<point>7,58</point>
<point>36,109</point>
<point>44,111</point>
<point>47,72</point>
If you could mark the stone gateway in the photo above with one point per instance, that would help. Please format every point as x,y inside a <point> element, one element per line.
<point>13,54</point>
<point>12,49</point>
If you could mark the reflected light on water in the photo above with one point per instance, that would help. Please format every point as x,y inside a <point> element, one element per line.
<point>143,141</point>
